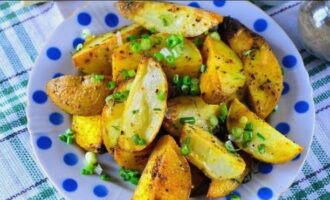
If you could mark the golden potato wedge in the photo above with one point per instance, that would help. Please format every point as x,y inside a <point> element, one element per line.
<point>224,73</point>
<point>209,154</point>
<point>223,187</point>
<point>168,17</point>
<point>267,144</point>
<point>167,174</point>
<point>95,56</point>
<point>78,95</point>
<point>112,117</point>
<point>188,63</point>
<point>185,106</point>
<point>145,107</point>
<point>87,133</point>
<point>262,69</point>
<point>136,160</point>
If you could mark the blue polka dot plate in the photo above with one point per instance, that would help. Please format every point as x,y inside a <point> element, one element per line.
<point>62,162</point>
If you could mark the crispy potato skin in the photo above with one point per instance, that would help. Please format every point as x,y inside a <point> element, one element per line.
<point>209,154</point>
<point>188,63</point>
<point>112,118</point>
<point>95,56</point>
<point>87,133</point>
<point>150,80</point>
<point>136,160</point>
<point>224,74</point>
<point>223,187</point>
<point>279,149</point>
<point>188,107</point>
<point>168,17</point>
<point>262,69</point>
<point>78,95</point>
<point>167,174</point>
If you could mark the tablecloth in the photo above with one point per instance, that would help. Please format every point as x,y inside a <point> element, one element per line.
<point>23,31</point>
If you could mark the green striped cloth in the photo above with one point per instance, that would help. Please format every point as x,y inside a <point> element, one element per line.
<point>23,31</point>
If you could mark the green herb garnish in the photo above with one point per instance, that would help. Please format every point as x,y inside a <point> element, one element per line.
<point>135,111</point>
<point>215,36</point>
<point>185,147</point>
<point>230,147</point>
<point>213,120</point>
<point>157,109</point>
<point>137,140</point>
<point>161,95</point>
<point>67,137</point>
<point>189,120</point>
<point>259,135</point>
<point>132,176</point>
<point>159,56</point>
<point>105,177</point>
<point>111,85</point>
<point>97,78</point>
<point>203,68</point>
<point>118,96</point>
<point>261,148</point>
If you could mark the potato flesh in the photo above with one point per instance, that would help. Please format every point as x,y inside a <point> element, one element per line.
<point>87,132</point>
<point>112,117</point>
<point>95,56</point>
<point>188,63</point>
<point>209,154</point>
<point>169,18</point>
<point>262,69</point>
<point>149,81</point>
<point>167,174</point>
<point>278,148</point>
<point>185,106</point>
<point>224,73</point>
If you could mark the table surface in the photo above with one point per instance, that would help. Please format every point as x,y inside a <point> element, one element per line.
<point>23,30</point>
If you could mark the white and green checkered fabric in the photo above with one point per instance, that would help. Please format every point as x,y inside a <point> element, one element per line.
<point>23,30</point>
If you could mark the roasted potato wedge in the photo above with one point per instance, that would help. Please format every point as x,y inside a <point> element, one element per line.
<point>209,154</point>
<point>224,74</point>
<point>188,63</point>
<point>167,174</point>
<point>87,133</point>
<point>263,71</point>
<point>95,56</point>
<point>169,18</point>
<point>112,119</point>
<point>276,148</point>
<point>223,187</point>
<point>78,95</point>
<point>145,106</point>
<point>136,160</point>
<point>185,106</point>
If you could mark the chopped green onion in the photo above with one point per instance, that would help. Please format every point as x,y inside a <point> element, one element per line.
<point>247,137</point>
<point>237,132</point>
<point>198,42</point>
<point>173,41</point>
<point>86,33</point>
<point>159,56</point>
<point>194,90</point>
<point>177,51</point>
<point>119,96</point>
<point>91,158</point>
<point>153,30</point>
<point>243,120</point>
<point>215,36</point>
<point>69,139</point>
<point>137,140</point>
<point>111,85</point>
<point>128,73</point>
<point>185,89</point>
<point>189,120</point>
<point>213,120</point>
<point>166,20</point>
<point>62,138</point>
<point>129,175</point>
<point>157,109</point>
<point>250,53</point>
<point>261,148</point>
<point>185,147</point>
<point>105,177</point>
<point>131,73</point>
<point>234,197</point>
<point>132,38</point>
<point>248,126</point>
<point>203,68</point>
<point>223,110</point>
<point>79,47</point>
<point>134,180</point>
<point>97,78</point>
<point>275,109</point>
<point>206,32</point>
<point>135,47</point>
<point>283,72</point>
<point>230,147</point>
<point>170,60</point>
<point>145,36</point>
<point>176,78</point>
<point>135,111</point>
<point>146,44</point>
<point>186,80</point>
<point>222,119</point>
<point>261,136</point>
<point>161,95</point>
<point>88,169</point>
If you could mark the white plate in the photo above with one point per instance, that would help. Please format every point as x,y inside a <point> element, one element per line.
<point>62,162</point>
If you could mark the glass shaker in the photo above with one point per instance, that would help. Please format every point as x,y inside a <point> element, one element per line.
<point>314,28</point>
